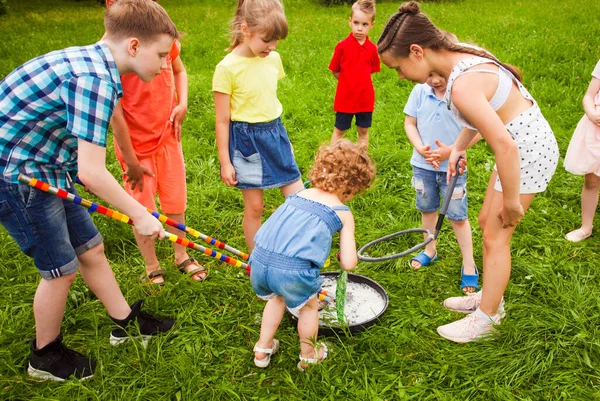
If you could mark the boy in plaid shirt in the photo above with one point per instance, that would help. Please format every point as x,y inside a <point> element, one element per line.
<point>54,115</point>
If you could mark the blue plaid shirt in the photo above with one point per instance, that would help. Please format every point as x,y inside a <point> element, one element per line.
<point>50,102</point>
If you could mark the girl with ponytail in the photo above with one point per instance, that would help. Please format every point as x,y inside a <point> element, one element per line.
<point>484,95</point>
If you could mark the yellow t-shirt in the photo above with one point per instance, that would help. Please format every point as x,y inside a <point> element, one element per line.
<point>252,84</point>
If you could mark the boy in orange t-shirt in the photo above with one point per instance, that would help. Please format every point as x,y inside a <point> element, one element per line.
<point>147,129</point>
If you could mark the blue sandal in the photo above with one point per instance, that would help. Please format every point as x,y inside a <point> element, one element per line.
<point>423,259</point>
<point>469,280</point>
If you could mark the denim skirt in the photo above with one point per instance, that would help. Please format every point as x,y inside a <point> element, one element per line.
<point>261,154</point>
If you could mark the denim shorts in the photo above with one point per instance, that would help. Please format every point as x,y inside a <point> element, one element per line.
<point>430,187</point>
<point>343,121</point>
<point>261,155</point>
<point>296,280</point>
<point>47,228</point>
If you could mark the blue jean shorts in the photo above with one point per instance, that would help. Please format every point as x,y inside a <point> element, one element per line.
<point>343,121</point>
<point>261,155</point>
<point>47,228</point>
<point>296,280</point>
<point>430,187</point>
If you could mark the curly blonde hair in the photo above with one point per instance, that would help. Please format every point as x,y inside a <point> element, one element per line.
<point>342,168</point>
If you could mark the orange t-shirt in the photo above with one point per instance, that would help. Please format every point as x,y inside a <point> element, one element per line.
<point>147,107</point>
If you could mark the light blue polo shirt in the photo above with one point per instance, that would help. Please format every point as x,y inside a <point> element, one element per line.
<point>434,121</point>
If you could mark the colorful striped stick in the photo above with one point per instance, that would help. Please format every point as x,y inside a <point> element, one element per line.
<point>180,226</point>
<point>94,207</point>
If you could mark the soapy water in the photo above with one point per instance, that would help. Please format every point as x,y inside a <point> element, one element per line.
<point>363,303</point>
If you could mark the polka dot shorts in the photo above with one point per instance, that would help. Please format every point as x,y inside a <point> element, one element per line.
<point>538,150</point>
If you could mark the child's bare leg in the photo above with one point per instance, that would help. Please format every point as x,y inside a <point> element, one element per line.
<point>428,220</point>
<point>146,246</point>
<point>180,250</point>
<point>49,307</point>
<point>589,201</point>
<point>99,277</point>
<point>292,188</point>
<point>497,259</point>
<point>462,231</point>
<point>253,210</point>
<point>308,328</point>
<point>363,136</point>
<point>271,318</point>
<point>485,208</point>
<point>337,134</point>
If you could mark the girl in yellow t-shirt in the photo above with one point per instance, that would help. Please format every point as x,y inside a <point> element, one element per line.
<point>254,150</point>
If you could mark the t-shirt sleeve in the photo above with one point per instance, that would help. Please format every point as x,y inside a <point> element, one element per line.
<point>90,102</point>
<point>175,49</point>
<point>222,80</point>
<point>412,104</point>
<point>280,70</point>
<point>375,64</point>
<point>596,72</point>
<point>334,64</point>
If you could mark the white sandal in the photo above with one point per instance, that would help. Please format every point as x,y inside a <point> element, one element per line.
<point>578,235</point>
<point>263,363</point>
<point>313,361</point>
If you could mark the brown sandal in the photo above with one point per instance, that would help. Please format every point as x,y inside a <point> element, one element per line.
<point>149,279</point>
<point>191,261</point>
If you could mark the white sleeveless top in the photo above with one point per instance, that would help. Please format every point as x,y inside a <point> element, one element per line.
<point>505,77</point>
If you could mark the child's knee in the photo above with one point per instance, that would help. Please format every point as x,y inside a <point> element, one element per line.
<point>254,207</point>
<point>591,182</point>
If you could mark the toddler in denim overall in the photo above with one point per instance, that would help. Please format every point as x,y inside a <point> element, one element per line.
<point>293,244</point>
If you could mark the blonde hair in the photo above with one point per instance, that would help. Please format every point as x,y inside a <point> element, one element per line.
<point>266,16</point>
<point>342,168</point>
<point>366,6</point>
<point>143,19</point>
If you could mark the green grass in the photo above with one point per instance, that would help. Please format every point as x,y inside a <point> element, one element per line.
<point>548,348</point>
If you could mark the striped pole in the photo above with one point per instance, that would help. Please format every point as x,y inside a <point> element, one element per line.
<point>94,207</point>
<point>195,233</point>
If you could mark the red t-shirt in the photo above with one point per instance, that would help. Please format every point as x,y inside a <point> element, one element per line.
<point>355,63</point>
<point>147,107</point>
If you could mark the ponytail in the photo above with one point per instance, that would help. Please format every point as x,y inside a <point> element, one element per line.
<point>410,26</point>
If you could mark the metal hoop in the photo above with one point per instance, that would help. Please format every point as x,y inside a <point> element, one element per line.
<point>430,236</point>
<point>361,256</point>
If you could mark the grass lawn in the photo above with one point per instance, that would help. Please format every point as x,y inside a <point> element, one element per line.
<point>548,347</point>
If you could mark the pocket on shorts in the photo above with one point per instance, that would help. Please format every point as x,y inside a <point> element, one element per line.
<point>248,169</point>
<point>11,223</point>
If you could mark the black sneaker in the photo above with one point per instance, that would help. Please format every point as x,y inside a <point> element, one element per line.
<point>148,326</point>
<point>57,362</point>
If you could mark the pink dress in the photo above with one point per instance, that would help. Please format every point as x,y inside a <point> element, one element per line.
<point>583,154</point>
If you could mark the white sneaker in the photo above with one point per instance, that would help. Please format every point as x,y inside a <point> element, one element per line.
<point>469,303</point>
<point>474,327</point>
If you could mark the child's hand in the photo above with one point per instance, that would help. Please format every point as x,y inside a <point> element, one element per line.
<point>511,215</point>
<point>177,117</point>
<point>594,117</point>
<point>135,175</point>
<point>452,160</point>
<point>228,175</point>
<point>148,226</point>
<point>424,151</point>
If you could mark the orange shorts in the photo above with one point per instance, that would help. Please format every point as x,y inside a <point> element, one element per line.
<point>168,182</point>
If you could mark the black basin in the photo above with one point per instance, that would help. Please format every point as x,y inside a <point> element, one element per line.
<point>358,327</point>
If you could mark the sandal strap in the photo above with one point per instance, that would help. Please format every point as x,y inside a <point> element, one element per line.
<point>156,273</point>
<point>269,351</point>
<point>181,266</point>
<point>314,361</point>
<point>263,350</point>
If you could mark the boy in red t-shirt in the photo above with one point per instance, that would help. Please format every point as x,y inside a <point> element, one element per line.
<point>147,129</point>
<point>354,60</point>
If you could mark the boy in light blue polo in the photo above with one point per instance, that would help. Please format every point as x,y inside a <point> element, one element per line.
<point>432,130</point>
